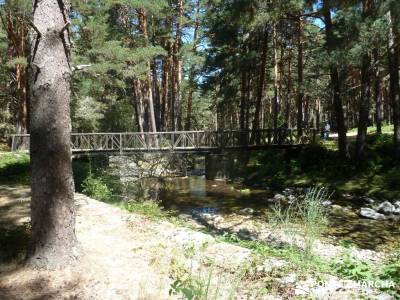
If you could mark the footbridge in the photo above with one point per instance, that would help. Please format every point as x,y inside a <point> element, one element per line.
<point>179,141</point>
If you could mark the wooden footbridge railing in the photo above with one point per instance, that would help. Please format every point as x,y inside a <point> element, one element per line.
<point>178,141</point>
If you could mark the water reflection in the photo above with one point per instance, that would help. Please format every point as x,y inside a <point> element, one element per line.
<point>187,194</point>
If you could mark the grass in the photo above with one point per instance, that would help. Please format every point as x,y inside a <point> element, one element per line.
<point>386,129</point>
<point>14,168</point>
<point>306,218</point>
<point>203,286</point>
<point>319,165</point>
<point>344,267</point>
<point>90,178</point>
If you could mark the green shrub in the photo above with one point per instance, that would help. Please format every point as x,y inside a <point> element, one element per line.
<point>97,189</point>
<point>14,167</point>
<point>148,208</point>
<point>351,268</point>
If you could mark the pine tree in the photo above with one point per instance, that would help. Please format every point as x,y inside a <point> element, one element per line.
<point>53,242</point>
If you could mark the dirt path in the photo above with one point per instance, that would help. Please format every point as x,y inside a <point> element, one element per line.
<point>128,256</point>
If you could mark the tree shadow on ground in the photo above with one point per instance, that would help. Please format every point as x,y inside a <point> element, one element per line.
<point>18,282</point>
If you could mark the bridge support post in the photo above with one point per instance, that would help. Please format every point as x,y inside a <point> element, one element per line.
<point>13,143</point>
<point>218,166</point>
<point>120,144</point>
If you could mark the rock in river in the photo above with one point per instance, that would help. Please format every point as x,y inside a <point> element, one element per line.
<point>386,208</point>
<point>247,211</point>
<point>371,214</point>
<point>279,197</point>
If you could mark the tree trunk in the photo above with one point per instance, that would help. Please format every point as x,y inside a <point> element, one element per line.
<point>288,89</point>
<point>192,72</point>
<point>147,90</point>
<point>139,105</point>
<point>17,32</point>
<point>276,80</point>
<point>335,84</point>
<point>299,100</point>
<point>394,53</point>
<point>261,84</point>
<point>156,94</point>
<point>243,95</point>
<point>365,94</point>
<point>177,69</point>
<point>54,241</point>
<point>377,94</point>
<point>363,107</point>
<point>164,94</point>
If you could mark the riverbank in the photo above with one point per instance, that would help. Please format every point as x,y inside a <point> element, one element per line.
<point>320,165</point>
<point>131,256</point>
<point>244,226</point>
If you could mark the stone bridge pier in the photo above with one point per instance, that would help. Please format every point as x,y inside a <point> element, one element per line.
<point>224,165</point>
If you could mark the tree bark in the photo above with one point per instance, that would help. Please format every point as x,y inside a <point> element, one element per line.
<point>17,34</point>
<point>377,94</point>
<point>177,69</point>
<point>156,94</point>
<point>54,241</point>
<point>147,89</point>
<point>165,93</point>
<point>299,100</point>
<point>364,104</point>
<point>394,53</point>
<point>139,105</point>
<point>192,72</point>
<point>276,99</point>
<point>243,95</point>
<point>261,84</point>
<point>335,83</point>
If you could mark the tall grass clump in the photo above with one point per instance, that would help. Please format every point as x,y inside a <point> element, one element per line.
<point>313,215</point>
<point>205,286</point>
<point>303,221</point>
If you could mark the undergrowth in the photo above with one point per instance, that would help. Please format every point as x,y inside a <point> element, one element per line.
<point>319,165</point>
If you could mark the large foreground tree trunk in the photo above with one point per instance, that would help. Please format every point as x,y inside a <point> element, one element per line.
<point>54,242</point>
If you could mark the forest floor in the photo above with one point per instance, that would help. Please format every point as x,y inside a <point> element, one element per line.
<point>130,256</point>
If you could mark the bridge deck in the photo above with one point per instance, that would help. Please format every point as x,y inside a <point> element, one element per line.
<point>188,141</point>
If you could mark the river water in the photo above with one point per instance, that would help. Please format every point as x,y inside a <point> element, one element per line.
<point>185,195</point>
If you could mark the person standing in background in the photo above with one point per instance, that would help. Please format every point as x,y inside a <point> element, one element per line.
<point>327,130</point>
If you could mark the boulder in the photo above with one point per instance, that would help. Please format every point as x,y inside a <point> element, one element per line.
<point>347,196</point>
<point>369,213</point>
<point>327,203</point>
<point>368,200</point>
<point>246,234</point>
<point>288,191</point>
<point>291,198</point>
<point>386,208</point>
<point>247,211</point>
<point>397,204</point>
<point>218,220</point>
<point>279,197</point>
